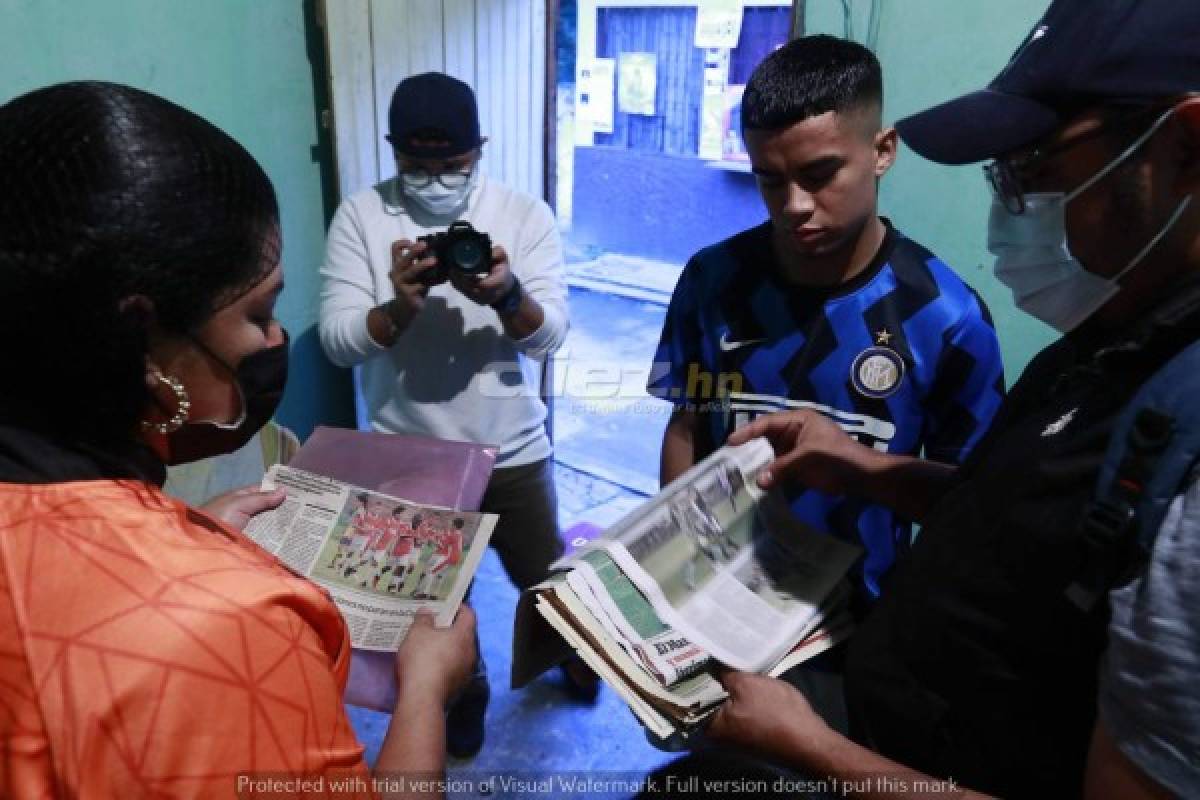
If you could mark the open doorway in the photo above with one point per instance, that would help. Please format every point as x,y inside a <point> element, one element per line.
<point>650,168</point>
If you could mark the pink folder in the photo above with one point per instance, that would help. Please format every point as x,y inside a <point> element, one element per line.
<point>430,471</point>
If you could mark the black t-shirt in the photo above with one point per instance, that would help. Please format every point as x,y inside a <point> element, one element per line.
<point>974,665</point>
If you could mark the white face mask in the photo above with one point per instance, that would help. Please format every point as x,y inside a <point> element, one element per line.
<point>1034,260</point>
<point>437,199</point>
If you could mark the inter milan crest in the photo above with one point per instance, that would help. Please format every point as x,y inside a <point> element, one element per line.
<point>878,370</point>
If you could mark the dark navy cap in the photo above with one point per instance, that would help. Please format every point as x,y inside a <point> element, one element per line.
<point>433,115</point>
<point>1082,53</point>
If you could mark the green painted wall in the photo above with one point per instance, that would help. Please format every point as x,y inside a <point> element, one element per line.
<point>932,51</point>
<point>248,66</point>
<point>245,65</point>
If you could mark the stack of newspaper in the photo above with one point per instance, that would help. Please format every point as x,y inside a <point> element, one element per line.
<point>712,571</point>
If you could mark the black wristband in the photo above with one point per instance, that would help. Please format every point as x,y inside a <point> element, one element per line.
<point>510,301</point>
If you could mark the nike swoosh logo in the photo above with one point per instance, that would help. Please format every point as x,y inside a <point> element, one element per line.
<point>727,346</point>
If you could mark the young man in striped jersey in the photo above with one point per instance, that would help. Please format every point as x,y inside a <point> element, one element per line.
<point>826,306</point>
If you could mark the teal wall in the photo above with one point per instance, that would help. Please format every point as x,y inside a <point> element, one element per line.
<point>932,51</point>
<point>245,66</point>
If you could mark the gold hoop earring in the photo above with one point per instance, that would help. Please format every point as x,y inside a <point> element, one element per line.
<point>183,405</point>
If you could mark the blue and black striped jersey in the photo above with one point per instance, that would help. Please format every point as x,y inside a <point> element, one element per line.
<point>904,357</point>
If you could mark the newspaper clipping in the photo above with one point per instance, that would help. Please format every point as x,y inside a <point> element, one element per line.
<point>381,558</point>
<point>730,565</point>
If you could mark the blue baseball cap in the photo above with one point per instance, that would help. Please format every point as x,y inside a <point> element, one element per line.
<point>1081,53</point>
<point>433,115</point>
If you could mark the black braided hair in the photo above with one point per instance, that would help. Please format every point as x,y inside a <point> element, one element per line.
<point>108,192</point>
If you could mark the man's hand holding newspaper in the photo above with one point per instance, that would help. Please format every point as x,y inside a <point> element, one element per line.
<point>713,571</point>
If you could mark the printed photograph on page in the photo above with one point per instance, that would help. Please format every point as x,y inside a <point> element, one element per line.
<point>698,530</point>
<point>396,549</point>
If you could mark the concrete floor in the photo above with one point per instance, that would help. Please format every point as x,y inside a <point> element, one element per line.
<point>604,422</point>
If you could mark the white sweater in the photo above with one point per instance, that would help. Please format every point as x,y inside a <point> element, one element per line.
<point>454,373</point>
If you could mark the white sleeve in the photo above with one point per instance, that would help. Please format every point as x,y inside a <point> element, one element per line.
<point>539,266</point>
<point>347,291</point>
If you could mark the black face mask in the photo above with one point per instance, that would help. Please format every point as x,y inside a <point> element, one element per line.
<point>260,378</point>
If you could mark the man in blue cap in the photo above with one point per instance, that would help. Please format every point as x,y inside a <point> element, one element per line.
<point>451,350</point>
<point>1043,637</point>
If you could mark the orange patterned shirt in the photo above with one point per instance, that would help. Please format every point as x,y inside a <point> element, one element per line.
<point>149,651</point>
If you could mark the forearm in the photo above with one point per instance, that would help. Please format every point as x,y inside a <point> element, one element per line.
<point>387,322</point>
<point>537,254</point>
<point>539,325</point>
<point>347,338</point>
<point>412,759</point>
<point>381,327</point>
<point>678,448</point>
<point>854,771</point>
<point>909,486</point>
<point>526,320</point>
<point>548,321</point>
<point>349,291</point>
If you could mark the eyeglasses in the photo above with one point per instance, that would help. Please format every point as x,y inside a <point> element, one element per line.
<point>418,178</point>
<point>1004,174</point>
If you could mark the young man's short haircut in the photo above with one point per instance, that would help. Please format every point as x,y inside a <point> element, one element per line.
<point>808,77</point>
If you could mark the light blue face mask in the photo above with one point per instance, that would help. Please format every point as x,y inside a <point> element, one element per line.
<point>436,199</point>
<point>1034,260</point>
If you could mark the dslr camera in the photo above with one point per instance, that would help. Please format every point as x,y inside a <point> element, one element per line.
<point>461,248</point>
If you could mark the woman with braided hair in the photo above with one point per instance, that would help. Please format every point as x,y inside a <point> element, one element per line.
<point>151,649</point>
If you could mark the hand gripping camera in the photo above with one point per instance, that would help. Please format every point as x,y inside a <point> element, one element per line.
<point>460,247</point>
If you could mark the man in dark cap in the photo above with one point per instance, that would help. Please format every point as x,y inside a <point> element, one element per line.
<point>446,351</point>
<point>1043,637</point>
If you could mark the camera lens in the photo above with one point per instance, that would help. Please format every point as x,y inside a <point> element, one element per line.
<point>468,255</point>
